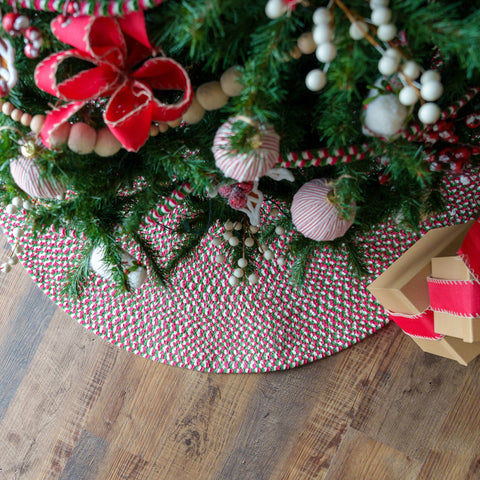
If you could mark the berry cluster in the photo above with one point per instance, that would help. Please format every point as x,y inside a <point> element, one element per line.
<point>15,24</point>
<point>236,194</point>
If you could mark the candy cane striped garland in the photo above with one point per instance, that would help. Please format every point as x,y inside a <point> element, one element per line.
<point>98,8</point>
<point>323,157</point>
<point>415,132</point>
<point>170,203</point>
<point>245,167</point>
<point>28,176</point>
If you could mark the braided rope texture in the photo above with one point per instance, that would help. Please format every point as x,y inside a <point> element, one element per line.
<point>202,323</point>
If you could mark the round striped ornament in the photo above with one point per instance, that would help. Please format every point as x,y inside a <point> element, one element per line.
<point>28,176</point>
<point>245,167</point>
<point>314,215</point>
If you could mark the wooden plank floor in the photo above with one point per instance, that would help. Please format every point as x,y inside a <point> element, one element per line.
<point>74,407</point>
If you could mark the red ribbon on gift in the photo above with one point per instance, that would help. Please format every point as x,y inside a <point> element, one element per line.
<point>470,250</point>
<point>460,298</point>
<point>115,47</point>
<point>420,325</point>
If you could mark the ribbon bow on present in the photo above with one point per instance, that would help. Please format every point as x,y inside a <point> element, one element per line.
<point>461,298</point>
<point>115,47</point>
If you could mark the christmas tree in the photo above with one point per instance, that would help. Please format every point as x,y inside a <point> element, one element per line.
<point>329,117</point>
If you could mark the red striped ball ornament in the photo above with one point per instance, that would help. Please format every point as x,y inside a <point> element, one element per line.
<point>246,167</point>
<point>27,175</point>
<point>314,215</point>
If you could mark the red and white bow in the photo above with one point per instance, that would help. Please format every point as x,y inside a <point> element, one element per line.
<point>115,46</point>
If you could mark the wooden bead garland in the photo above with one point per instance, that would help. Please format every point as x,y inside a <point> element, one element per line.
<point>82,139</point>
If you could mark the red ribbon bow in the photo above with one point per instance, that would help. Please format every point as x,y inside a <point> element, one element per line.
<point>115,47</point>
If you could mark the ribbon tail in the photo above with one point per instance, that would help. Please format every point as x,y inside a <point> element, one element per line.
<point>55,119</point>
<point>133,25</point>
<point>470,248</point>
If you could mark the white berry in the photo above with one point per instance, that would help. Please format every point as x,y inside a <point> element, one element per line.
<point>358,30</point>
<point>228,235</point>
<point>408,96</point>
<point>253,229</point>
<point>386,32</point>
<point>217,241</point>
<point>411,69</point>
<point>249,242</point>
<point>242,262</point>
<point>238,226</point>
<point>322,33</point>
<point>234,241</point>
<point>326,52</point>
<point>18,202</point>
<point>219,258</point>
<point>381,15</point>
<point>275,8</point>
<point>275,212</point>
<point>429,113</point>
<point>322,15</point>
<point>13,260</point>
<point>431,90</point>
<point>379,3</point>
<point>17,232</point>
<point>18,248</point>
<point>233,281</point>
<point>281,261</point>
<point>5,268</point>
<point>387,65</point>
<point>253,279</point>
<point>394,53</point>
<point>315,80</point>
<point>429,76</point>
<point>267,254</point>
<point>11,209</point>
<point>279,230</point>
<point>228,225</point>
<point>27,205</point>
<point>238,272</point>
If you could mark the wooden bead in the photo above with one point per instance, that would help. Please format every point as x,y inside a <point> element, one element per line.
<point>60,135</point>
<point>82,138</point>
<point>154,131</point>
<point>306,44</point>
<point>229,82</point>
<point>295,53</point>
<point>106,143</point>
<point>175,123</point>
<point>26,119</point>
<point>195,113</point>
<point>16,115</point>
<point>211,96</point>
<point>162,127</point>
<point>7,108</point>
<point>37,123</point>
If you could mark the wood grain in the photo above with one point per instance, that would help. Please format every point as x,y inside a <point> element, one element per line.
<point>73,407</point>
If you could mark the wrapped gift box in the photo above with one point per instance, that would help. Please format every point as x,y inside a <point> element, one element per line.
<point>464,327</point>
<point>403,291</point>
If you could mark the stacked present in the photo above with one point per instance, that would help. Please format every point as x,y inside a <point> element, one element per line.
<point>433,292</point>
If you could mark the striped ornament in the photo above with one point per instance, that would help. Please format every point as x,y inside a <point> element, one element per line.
<point>245,167</point>
<point>28,176</point>
<point>314,216</point>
